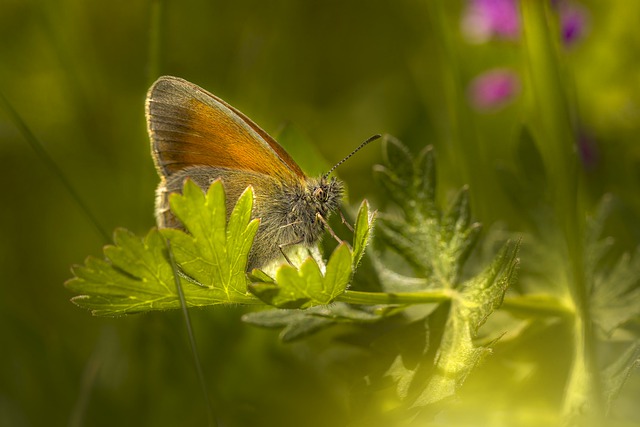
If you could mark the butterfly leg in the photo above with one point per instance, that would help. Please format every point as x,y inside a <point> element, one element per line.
<point>344,221</point>
<point>330,230</point>
<point>284,245</point>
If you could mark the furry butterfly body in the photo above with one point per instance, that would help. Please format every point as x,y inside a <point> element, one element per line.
<point>196,135</point>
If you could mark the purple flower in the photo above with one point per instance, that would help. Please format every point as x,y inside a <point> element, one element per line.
<point>493,89</point>
<point>485,19</point>
<point>588,150</point>
<point>573,21</point>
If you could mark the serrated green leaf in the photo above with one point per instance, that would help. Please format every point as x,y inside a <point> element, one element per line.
<point>260,276</point>
<point>136,275</point>
<point>436,246</point>
<point>458,355</point>
<point>458,218</point>
<point>298,324</point>
<point>241,230</point>
<point>215,253</point>
<point>408,344</point>
<point>338,274</point>
<point>616,296</point>
<point>396,154</point>
<point>342,312</point>
<point>300,284</point>
<point>274,318</point>
<point>307,286</point>
<point>392,184</point>
<point>614,289</point>
<point>295,324</point>
<point>135,279</point>
<point>426,188</point>
<point>485,292</point>
<point>273,294</point>
<point>401,376</point>
<point>362,232</point>
<point>617,374</point>
<point>188,207</point>
<point>457,237</point>
<point>308,325</point>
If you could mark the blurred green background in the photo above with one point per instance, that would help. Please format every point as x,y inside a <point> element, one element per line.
<point>77,73</point>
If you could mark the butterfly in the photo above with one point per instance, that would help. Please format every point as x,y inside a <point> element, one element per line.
<point>196,135</point>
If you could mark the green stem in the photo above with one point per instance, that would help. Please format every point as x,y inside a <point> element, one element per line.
<point>372,298</point>
<point>51,164</point>
<point>543,306</point>
<point>155,39</point>
<point>469,150</point>
<point>548,104</point>
<point>192,340</point>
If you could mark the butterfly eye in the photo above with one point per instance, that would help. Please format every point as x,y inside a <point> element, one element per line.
<point>318,193</point>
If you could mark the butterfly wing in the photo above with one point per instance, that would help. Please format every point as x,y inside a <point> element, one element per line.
<point>189,126</point>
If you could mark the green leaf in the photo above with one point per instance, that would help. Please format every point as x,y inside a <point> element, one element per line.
<point>136,275</point>
<point>135,278</point>
<point>295,324</point>
<point>616,295</point>
<point>362,232</point>
<point>617,374</point>
<point>298,324</point>
<point>458,355</point>
<point>401,376</point>
<point>614,290</point>
<point>411,343</point>
<point>215,253</point>
<point>484,293</point>
<point>307,286</point>
<point>436,245</point>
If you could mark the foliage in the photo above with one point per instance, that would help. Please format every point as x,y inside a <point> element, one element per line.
<point>532,112</point>
<point>212,257</point>
<point>137,275</point>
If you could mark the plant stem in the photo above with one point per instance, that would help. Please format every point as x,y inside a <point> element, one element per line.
<point>51,164</point>
<point>212,422</point>
<point>544,307</point>
<point>358,297</point>
<point>583,394</point>
<point>156,33</point>
<point>547,306</point>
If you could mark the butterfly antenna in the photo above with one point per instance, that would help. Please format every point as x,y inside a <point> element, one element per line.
<point>370,139</point>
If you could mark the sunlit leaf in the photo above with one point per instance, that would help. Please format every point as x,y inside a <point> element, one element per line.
<point>617,374</point>
<point>136,275</point>
<point>435,244</point>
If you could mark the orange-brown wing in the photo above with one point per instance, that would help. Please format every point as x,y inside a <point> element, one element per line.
<point>189,126</point>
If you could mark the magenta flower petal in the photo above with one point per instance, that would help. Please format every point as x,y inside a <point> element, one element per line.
<point>486,19</point>
<point>493,89</point>
<point>588,150</point>
<point>573,22</point>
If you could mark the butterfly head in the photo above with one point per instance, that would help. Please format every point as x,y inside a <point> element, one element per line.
<point>316,197</point>
<point>325,194</point>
